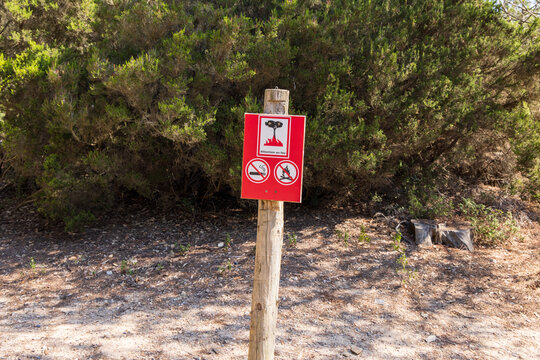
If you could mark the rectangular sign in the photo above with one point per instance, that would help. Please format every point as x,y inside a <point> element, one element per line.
<point>273,157</point>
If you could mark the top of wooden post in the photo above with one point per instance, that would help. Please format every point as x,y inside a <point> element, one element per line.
<point>276,101</point>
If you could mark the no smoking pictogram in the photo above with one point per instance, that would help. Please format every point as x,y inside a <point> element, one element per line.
<point>257,170</point>
<point>286,172</point>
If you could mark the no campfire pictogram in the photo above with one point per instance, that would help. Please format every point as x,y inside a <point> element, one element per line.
<point>286,172</point>
<point>274,136</point>
<point>257,170</point>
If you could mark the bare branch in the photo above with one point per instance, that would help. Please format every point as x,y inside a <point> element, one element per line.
<point>5,26</point>
<point>522,11</point>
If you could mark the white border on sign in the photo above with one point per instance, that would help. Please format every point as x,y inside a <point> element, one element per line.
<point>273,116</point>
<point>303,148</point>
<point>278,165</point>
<point>247,172</point>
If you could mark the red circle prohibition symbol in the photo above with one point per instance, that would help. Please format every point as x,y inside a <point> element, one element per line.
<point>257,171</point>
<point>286,172</point>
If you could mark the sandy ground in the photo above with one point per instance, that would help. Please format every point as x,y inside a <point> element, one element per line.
<point>128,289</point>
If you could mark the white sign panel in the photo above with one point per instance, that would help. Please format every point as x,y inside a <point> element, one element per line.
<point>273,136</point>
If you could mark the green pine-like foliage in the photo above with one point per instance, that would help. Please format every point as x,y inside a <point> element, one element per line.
<point>103,98</point>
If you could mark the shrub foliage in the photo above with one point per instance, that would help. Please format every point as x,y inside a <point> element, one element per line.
<point>100,98</point>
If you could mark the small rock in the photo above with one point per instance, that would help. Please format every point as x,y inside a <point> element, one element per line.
<point>109,272</point>
<point>431,338</point>
<point>355,350</point>
<point>424,315</point>
<point>379,301</point>
<point>221,244</point>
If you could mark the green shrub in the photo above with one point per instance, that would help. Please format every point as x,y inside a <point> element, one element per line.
<point>491,226</point>
<point>292,239</point>
<point>148,97</point>
<point>363,237</point>
<point>403,267</point>
<point>424,196</point>
<point>429,205</point>
<point>70,199</point>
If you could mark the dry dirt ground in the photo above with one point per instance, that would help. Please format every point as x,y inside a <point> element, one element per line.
<point>130,289</point>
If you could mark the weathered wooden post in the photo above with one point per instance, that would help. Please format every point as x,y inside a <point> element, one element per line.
<point>271,173</point>
<point>262,333</point>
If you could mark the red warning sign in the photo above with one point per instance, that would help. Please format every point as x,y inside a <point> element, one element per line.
<point>273,157</point>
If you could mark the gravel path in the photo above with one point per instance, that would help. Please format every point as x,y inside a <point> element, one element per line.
<point>139,287</point>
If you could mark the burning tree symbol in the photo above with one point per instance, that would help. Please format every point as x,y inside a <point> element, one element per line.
<point>274,125</point>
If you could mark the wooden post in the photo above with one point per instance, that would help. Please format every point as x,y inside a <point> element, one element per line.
<point>262,333</point>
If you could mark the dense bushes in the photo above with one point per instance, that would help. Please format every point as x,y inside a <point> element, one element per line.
<point>108,97</point>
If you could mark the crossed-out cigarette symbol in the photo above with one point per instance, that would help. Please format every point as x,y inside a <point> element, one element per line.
<point>257,171</point>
